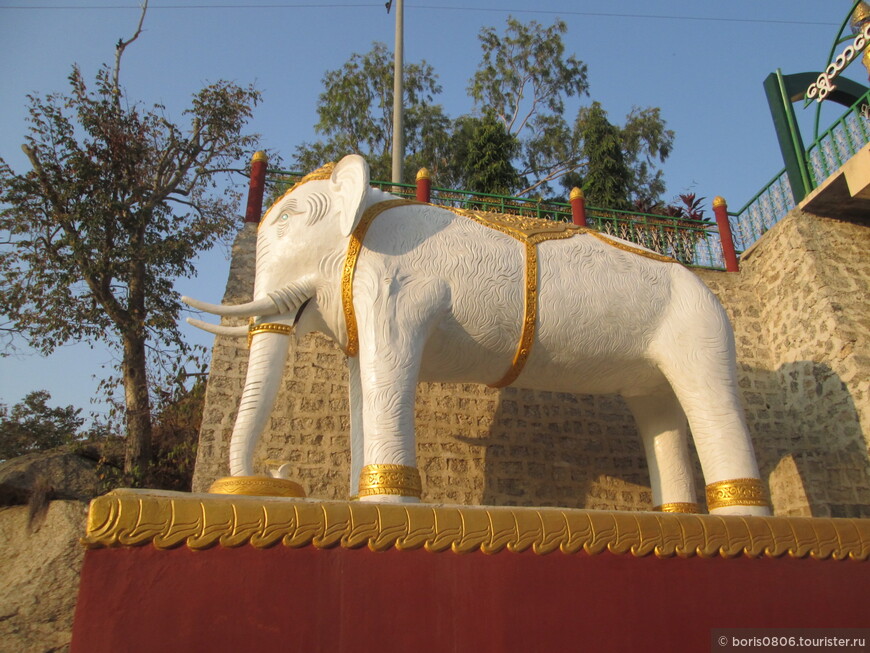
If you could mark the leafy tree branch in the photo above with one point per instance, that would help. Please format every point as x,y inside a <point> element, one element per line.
<point>117,203</point>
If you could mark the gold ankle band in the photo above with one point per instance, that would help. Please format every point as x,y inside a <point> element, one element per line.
<point>396,480</point>
<point>736,492</point>
<point>687,507</point>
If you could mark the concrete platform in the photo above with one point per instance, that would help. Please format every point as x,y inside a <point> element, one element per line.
<point>846,193</point>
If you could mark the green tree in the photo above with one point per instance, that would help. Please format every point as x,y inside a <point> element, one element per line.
<point>117,204</point>
<point>484,154</point>
<point>32,425</point>
<point>524,81</point>
<point>525,78</point>
<point>355,115</point>
<point>608,178</point>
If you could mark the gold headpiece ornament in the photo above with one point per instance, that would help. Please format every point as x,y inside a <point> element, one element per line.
<point>323,172</point>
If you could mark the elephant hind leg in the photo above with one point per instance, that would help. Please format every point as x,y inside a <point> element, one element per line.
<point>695,351</point>
<point>662,427</point>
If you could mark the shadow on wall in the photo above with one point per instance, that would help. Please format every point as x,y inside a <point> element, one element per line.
<point>556,449</point>
<point>808,440</point>
<point>577,451</point>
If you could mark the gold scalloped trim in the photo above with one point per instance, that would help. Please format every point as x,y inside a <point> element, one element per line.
<point>200,521</point>
<point>267,327</point>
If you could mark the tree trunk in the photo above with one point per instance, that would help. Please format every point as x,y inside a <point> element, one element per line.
<point>138,405</point>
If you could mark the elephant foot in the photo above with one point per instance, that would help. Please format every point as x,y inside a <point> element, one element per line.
<point>389,498</point>
<point>754,511</point>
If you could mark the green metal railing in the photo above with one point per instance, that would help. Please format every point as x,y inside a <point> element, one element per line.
<point>840,142</point>
<point>765,209</point>
<point>823,157</point>
<point>694,243</point>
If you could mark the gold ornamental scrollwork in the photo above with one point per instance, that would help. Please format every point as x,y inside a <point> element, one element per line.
<point>200,521</point>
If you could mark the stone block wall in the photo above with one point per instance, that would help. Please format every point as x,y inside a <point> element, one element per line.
<point>809,407</point>
<point>799,310</point>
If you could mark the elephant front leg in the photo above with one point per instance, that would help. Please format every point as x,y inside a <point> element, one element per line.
<point>393,326</point>
<point>389,472</point>
<point>392,330</point>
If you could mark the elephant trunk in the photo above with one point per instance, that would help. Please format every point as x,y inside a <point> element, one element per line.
<point>265,369</point>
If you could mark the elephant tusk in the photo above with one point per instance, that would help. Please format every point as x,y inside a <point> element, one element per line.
<point>235,331</point>
<point>261,307</point>
<point>284,300</point>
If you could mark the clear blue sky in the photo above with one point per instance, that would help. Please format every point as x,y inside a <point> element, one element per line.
<point>703,63</point>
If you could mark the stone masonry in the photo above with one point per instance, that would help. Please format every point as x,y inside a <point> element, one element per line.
<point>799,310</point>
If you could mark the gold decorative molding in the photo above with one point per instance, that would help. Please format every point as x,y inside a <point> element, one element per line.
<point>200,521</point>
<point>576,194</point>
<point>384,478</point>
<point>686,508</point>
<point>736,492</point>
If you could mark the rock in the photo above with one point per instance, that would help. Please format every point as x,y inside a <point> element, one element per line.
<point>63,473</point>
<point>42,560</point>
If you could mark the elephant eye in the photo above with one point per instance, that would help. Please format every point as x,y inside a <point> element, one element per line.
<point>283,222</point>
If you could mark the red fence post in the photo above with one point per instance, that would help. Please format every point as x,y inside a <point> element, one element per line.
<point>578,207</point>
<point>424,186</point>
<point>720,210</point>
<point>257,186</point>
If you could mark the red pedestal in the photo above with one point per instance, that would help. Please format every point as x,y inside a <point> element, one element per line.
<point>247,574</point>
<point>308,599</point>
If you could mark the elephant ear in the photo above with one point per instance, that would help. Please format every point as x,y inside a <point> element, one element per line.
<point>349,185</point>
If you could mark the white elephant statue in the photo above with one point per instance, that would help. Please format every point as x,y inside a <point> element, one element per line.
<point>415,292</point>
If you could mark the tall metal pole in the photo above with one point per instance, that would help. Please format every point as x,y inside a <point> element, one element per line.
<point>398,92</point>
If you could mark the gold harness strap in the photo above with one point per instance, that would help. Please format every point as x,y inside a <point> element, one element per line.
<point>353,250</point>
<point>529,231</point>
